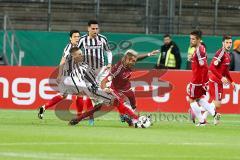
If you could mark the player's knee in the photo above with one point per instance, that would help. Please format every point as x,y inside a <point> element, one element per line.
<point>64,96</point>
<point>217,104</point>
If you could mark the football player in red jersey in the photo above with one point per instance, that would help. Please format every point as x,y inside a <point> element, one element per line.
<point>119,77</point>
<point>220,75</point>
<point>197,87</point>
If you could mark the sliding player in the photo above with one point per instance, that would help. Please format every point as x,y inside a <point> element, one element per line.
<point>65,68</point>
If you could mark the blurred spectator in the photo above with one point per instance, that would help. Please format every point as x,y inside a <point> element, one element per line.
<point>190,53</point>
<point>235,56</point>
<point>170,55</point>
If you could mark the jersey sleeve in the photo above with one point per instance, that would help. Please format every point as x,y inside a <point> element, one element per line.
<point>214,63</point>
<point>66,50</point>
<point>105,44</point>
<point>218,57</point>
<point>108,51</point>
<point>201,55</point>
<point>80,44</point>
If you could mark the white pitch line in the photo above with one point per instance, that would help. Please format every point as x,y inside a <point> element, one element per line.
<point>48,156</point>
<point>116,143</point>
<point>62,156</point>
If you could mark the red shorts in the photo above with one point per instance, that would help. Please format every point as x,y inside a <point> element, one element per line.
<point>195,91</point>
<point>215,90</point>
<point>128,95</point>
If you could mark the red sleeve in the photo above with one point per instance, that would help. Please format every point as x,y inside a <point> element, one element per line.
<point>214,70</point>
<point>228,76</point>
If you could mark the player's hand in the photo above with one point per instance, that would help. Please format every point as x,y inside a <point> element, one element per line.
<point>108,90</point>
<point>109,66</point>
<point>154,52</point>
<point>224,80</point>
<point>189,57</point>
<point>234,85</point>
<point>206,87</point>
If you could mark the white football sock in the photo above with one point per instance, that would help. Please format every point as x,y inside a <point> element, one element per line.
<point>202,109</point>
<point>207,106</point>
<point>205,115</point>
<point>197,111</point>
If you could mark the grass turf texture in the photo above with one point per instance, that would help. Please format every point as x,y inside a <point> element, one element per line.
<point>24,136</point>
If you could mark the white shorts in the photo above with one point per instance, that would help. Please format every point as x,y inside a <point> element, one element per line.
<point>76,86</point>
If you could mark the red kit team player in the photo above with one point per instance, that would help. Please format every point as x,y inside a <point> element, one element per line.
<point>119,77</point>
<point>196,88</point>
<point>220,76</point>
<point>120,74</point>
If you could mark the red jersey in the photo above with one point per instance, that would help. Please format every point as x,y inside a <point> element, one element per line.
<point>121,76</point>
<point>199,66</point>
<point>219,66</point>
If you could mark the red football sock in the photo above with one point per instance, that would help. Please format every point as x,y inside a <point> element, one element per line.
<point>89,106</point>
<point>125,110</point>
<point>79,105</point>
<point>53,101</point>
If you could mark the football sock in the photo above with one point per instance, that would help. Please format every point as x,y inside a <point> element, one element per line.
<point>207,106</point>
<point>89,107</point>
<point>197,111</point>
<point>125,110</point>
<point>205,115</point>
<point>79,105</point>
<point>53,101</point>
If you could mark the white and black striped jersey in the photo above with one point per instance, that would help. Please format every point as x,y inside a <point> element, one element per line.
<point>85,73</point>
<point>66,50</point>
<point>68,66</point>
<point>93,50</point>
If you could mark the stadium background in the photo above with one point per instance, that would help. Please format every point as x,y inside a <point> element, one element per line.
<point>34,33</point>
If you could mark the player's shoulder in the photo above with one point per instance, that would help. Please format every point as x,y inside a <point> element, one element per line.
<point>202,48</point>
<point>102,36</point>
<point>67,47</point>
<point>83,36</point>
<point>220,51</point>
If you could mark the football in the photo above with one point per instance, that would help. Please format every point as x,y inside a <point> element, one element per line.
<point>144,122</point>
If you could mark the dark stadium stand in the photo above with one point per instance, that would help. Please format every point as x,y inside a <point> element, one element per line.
<point>114,17</point>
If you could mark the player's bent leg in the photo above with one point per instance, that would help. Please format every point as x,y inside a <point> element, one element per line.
<point>84,115</point>
<point>197,111</point>
<point>79,105</point>
<point>217,116</point>
<point>49,104</point>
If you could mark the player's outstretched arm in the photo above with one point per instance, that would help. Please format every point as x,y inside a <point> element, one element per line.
<point>143,56</point>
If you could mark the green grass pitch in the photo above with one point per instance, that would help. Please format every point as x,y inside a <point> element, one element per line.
<point>24,136</point>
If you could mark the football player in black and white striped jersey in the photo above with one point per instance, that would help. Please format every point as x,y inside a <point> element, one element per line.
<point>82,80</point>
<point>65,68</point>
<point>94,46</point>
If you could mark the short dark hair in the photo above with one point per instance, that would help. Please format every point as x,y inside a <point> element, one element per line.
<point>226,37</point>
<point>197,33</point>
<point>74,49</point>
<point>73,31</point>
<point>92,22</point>
<point>167,35</point>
